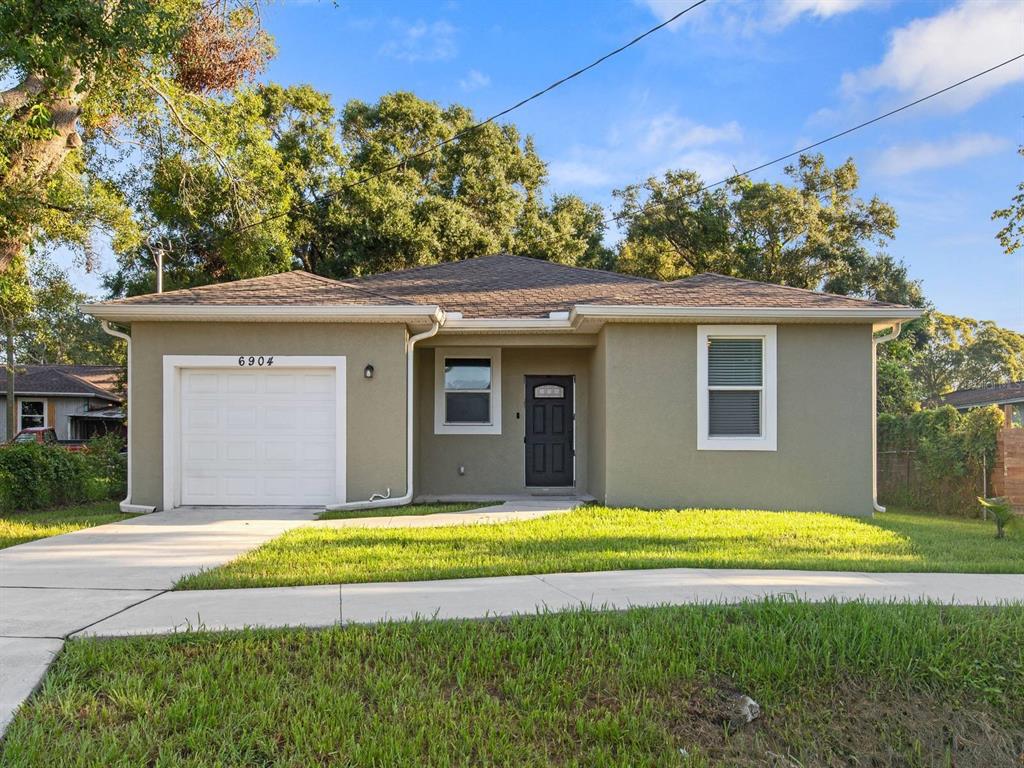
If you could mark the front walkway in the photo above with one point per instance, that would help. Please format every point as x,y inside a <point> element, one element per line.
<point>328,605</point>
<point>115,580</point>
<point>53,588</point>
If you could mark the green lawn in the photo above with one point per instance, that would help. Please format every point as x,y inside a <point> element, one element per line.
<point>407,510</point>
<point>853,684</point>
<point>598,538</point>
<point>19,527</point>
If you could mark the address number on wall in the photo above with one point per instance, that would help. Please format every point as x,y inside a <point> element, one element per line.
<point>255,361</point>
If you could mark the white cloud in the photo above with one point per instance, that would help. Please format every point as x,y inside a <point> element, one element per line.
<point>902,159</point>
<point>422,41</point>
<point>640,148</point>
<point>790,10</point>
<point>931,53</point>
<point>743,18</point>
<point>474,81</point>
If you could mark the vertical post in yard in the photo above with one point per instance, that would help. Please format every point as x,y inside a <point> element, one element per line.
<point>984,485</point>
<point>160,271</point>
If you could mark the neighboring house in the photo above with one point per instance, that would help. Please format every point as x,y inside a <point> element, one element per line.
<point>1009,398</point>
<point>523,376</point>
<point>78,401</point>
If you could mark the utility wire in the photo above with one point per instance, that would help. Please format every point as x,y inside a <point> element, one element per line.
<point>477,126</point>
<point>833,137</point>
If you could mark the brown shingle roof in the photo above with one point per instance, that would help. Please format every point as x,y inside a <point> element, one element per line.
<point>712,290</point>
<point>86,380</point>
<point>1000,393</point>
<point>292,288</point>
<point>502,285</point>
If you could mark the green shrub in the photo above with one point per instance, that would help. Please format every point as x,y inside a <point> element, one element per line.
<point>948,452</point>
<point>34,476</point>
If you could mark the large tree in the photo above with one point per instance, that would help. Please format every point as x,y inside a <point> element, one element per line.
<point>333,202</point>
<point>964,353</point>
<point>1011,236</point>
<point>54,331</point>
<point>85,80</point>
<point>813,232</point>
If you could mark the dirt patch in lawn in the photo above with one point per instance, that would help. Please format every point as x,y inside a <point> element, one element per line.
<point>855,726</point>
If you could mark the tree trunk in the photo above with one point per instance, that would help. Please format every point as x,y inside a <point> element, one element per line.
<point>9,364</point>
<point>33,165</point>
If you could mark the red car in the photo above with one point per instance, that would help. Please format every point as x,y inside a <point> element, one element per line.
<point>46,436</point>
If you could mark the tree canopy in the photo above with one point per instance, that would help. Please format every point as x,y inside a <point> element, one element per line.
<point>812,233</point>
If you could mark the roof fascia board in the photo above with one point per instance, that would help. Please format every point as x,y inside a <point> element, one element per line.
<point>625,312</point>
<point>264,313</point>
<point>86,395</point>
<point>486,324</point>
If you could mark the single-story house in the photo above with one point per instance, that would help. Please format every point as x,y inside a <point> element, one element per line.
<point>496,376</point>
<point>78,401</point>
<point>1009,398</point>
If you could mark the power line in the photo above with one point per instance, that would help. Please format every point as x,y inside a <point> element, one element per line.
<point>833,137</point>
<point>477,126</point>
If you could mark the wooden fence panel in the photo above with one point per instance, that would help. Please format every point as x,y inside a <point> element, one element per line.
<point>1008,469</point>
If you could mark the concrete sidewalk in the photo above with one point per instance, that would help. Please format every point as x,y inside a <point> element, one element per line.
<point>328,605</point>
<point>56,587</point>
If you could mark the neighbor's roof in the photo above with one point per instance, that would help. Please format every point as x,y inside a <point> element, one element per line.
<point>99,381</point>
<point>1000,393</point>
<point>501,286</point>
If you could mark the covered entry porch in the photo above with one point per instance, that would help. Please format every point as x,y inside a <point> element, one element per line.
<point>503,416</point>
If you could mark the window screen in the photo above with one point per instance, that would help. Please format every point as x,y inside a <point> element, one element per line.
<point>467,390</point>
<point>735,387</point>
<point>32,413</point>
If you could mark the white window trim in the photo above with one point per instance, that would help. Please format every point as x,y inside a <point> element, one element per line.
<point>442,428</point>
<point>172,365</point>
<point>767,441</point>
<point>43,400</point>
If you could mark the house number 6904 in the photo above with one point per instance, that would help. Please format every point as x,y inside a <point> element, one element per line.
<point>253,361</point>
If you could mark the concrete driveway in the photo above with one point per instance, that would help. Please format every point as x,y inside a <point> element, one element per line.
<point>52,588</point>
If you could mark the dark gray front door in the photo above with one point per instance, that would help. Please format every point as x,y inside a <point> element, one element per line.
<point>549,427</point>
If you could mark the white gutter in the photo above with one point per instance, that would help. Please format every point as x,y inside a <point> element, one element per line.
<point>386,500</point>
<point>639,312</point>
<point>875,341</point>
<point>126,505</point>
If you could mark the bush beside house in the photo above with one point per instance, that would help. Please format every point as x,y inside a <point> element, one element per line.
<point>34,476</point>
<point>937,459</point>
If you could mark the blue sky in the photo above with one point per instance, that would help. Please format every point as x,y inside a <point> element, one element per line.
<point>729,86</point>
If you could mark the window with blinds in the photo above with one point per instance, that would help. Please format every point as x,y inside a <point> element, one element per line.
<point>735,385</point>
<point>737,407</point>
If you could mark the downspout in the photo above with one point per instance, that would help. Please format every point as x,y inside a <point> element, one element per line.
<point>126,505</point>
<point>377,500</point>
<point>875,341</point>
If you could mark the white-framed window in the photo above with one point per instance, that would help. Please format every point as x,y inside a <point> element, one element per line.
<point>736,388</point>
<point>467,391</point>
<point>31,413</point>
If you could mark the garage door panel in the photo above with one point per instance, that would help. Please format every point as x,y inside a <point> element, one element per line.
<point>258,437</point>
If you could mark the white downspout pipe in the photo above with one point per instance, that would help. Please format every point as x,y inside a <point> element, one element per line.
<point>875,341</point>
<point>126,505</point>
<point>386,500</point>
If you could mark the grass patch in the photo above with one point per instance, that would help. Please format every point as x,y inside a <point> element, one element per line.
<point>838,684</point>
<point>599,538</point>
<point>20,527</point>
<point>407,510</point>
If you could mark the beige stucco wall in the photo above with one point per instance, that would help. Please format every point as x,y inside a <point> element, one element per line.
<point>495,463</point>
<point>597,419</point>
<point>823,461</point>
<point>376,407</point>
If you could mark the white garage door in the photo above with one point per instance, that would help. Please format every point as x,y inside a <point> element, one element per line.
<point>261,437</point>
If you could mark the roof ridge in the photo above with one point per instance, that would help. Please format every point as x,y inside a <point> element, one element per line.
<point>786,287</point>
<point>504,254</point>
